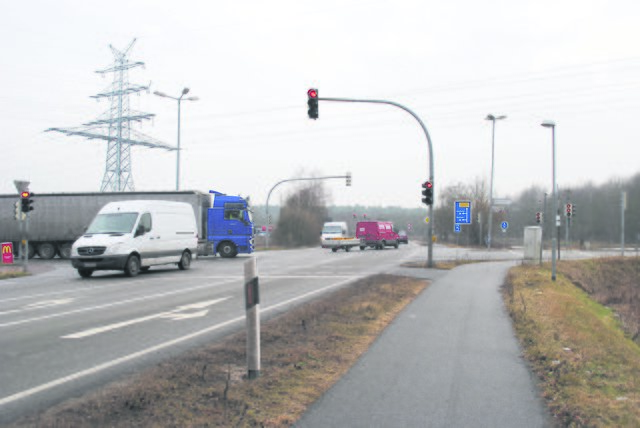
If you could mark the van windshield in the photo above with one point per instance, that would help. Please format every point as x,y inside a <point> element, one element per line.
<point>332,229</point>
<point>113,223</point>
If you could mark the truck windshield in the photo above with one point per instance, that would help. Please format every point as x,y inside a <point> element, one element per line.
<point>113,223</point>
<point>332,229</point>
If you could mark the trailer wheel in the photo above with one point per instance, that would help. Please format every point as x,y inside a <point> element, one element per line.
<point>46,250</point>
<point>85,273</point>
<point>65,250</point>
<point>185,261</point>
<point>227,250</point>
<point>132,267</point>
<point>334,250</point>
<point>347,249</point>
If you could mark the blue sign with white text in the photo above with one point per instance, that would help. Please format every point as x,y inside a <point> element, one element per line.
<point>462,212</point>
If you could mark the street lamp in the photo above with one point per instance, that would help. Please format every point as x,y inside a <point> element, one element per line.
<point>493,119</point>
<point>185,91</point>
<point>551,124</point>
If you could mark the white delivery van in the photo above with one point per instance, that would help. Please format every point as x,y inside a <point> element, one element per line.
<point>135,235</point>
<point>334,229</point>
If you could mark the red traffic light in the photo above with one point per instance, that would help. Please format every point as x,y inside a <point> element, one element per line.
<point>428,184</point>
<point>313,93</point>
<point>25,195</point>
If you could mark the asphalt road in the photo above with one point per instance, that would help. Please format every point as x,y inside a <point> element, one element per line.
<point>61,335</point>
<point>449,360</point>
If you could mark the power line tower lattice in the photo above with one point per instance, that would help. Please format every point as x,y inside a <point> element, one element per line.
<point>114,125</point>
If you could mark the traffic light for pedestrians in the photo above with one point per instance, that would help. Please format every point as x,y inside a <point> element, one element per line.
<point>348,179</point>
<point>313,103</point>
<point>538,217</point>
<point>26,201</point>
<point>427,193</point>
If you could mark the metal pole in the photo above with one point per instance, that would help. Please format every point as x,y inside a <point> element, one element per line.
<point>178,151</point>
<point>623,207</point>
<point>252,305</point>
<point>555,207</point>
<point>431,172</point>
<point>284,181</point>
<point>489,232</point>
<point>544,218</point>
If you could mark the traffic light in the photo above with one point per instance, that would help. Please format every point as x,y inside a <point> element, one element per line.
<point>26,201</point>
<point>538,217</point>
<point>348,179</point>
<point>18,210</point>
<point>568,210</point>
<point>427,193</point>
<point>313,103</point>
<point>573,210</point>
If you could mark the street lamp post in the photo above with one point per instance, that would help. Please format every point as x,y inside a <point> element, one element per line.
<point>552,125</point>
<point>185,91</point>
<point>493,119</point>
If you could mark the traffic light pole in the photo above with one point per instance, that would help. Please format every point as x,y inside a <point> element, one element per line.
<point>426,133</point>
<point>348,177</point>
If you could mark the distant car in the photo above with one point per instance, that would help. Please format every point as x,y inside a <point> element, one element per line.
<point>402,237</point>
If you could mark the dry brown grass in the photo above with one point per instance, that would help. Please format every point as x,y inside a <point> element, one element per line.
<point>304,352</point>
<point>589,369</point>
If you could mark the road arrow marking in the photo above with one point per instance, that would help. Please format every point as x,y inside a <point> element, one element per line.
<point>174,315</point>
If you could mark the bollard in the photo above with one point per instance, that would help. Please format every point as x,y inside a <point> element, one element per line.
<point>252,306</point>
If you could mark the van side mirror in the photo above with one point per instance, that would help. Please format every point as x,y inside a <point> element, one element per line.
<point>140,230</point>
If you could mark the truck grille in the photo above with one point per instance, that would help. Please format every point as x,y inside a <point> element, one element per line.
<point>91,251</point>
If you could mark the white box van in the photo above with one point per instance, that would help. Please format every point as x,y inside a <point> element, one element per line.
<point>334,229</point>
<point>135,235</point>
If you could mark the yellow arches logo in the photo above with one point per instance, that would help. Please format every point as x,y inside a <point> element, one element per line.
<point>7,252</point>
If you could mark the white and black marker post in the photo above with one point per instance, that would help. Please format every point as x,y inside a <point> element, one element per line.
<point>252,305</point>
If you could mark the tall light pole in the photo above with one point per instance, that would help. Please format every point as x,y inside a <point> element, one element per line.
<point>185,91</point>
<point>551,124</point>
<point>493,119</point>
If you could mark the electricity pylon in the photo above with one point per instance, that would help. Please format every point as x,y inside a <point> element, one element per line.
<point>114,125</point>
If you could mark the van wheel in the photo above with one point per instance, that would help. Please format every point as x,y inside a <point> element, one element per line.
<point>85,273</point>
<point>347,249</point>
<point>46,250</point>
<point>334,250</point>
<point>396,245</point>
<point>227,250</point>
<point>185,261</point>
<point>362,247</point>
<point>132,267</point>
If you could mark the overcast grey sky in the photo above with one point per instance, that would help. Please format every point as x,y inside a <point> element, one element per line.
<point>576,62</point>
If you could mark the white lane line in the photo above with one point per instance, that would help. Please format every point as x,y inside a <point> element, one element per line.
<point>174,314</point>
<point>104,366</point>
<point>109,305</point>
<point>39,305</point>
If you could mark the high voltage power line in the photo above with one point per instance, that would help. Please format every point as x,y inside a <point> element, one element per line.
<point>114,126</point>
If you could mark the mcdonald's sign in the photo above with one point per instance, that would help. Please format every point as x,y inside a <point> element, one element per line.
<point>7,253</point>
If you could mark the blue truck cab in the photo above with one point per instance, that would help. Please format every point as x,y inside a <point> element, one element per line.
<point>229,225</point>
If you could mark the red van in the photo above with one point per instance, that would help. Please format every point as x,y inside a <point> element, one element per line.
<point>376,234</point>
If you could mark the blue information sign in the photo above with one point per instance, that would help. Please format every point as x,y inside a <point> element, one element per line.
<point>456,228</point>
<point>462,212</point>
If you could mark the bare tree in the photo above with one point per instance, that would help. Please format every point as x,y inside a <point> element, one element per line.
<point>301,216</point>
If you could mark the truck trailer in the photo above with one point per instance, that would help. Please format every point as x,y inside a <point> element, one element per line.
<point>58,219</point>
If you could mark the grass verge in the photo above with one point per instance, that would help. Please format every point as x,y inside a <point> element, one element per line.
<point>304,352</point>
<point>589,368</point>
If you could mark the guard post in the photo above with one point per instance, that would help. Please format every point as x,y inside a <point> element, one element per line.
<point>252,306</point>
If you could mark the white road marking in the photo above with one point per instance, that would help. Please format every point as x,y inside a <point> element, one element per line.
<point>104,366</point>
<point>174,314</point>
<point>39,305</point>
<point>107,305</point>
